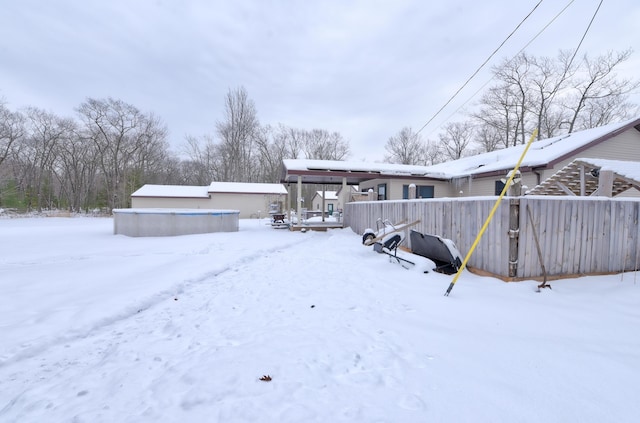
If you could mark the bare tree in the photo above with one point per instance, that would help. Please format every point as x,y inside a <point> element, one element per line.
<point>406,147</point>
<point>237,134</point>
<point>77,169</point>
<point>45,132</point>
<point>433,153</point>
<point>149,158</point>
<point>553,95</point>
<point>456,138</point>
<point>498,113</point>
<point>201,158</point>
<point>295,139</point>
<point>548,78</point>
<point>11,130</point>
<point>598,94</point>
<point>272,144</point>
<point>489,138</point>
<point>120,132</point>
<point>602,111</point>
<point>320,144</point>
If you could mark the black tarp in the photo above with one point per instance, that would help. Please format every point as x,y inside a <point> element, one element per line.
<point>435,248</point>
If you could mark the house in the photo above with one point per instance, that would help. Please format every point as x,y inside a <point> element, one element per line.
<point>479,175</point>
<point>484,174</point>
<point>326,201</point>
<point>251,199</point>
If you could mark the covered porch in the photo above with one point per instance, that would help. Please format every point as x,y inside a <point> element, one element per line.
<point>320,172</point>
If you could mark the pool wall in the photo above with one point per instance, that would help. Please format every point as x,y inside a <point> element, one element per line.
<point>173,222</point>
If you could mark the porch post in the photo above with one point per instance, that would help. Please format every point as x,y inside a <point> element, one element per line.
<point>412,192</point>
<point>605,183</point>
<point>345,197</point>
<point>515,190</point>
<point>324,195</point>
<point>299,200</point>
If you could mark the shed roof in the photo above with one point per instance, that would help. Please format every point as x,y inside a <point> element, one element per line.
<point>172,191</point>
<point>328,195</point>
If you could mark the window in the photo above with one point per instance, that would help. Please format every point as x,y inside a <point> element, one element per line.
<point>499,187</point>
<point>382,191</point>
<point>422,191</point>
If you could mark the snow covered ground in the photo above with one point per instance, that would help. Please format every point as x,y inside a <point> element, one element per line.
<point>103,328</point>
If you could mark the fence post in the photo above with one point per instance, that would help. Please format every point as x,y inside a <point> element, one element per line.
<point>514,223</point>
<point>514,233</point>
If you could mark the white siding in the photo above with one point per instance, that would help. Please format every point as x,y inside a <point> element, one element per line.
<point>316,203</point>
<point>250,205</point>
<point>625,146</point>
<point>170,203</point>
<point>394,187</point>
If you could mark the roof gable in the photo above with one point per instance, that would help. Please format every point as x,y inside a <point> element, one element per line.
<point>542,153</point>
<point>328,195</point>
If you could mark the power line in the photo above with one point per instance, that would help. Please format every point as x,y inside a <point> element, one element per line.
<point>479,68</point>
<point>585,33</point>
<point>544,28</point>
<point>575,52</point>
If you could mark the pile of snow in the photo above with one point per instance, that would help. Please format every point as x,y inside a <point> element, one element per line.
<point>105,328</point>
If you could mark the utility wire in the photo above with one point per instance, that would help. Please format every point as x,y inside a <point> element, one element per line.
<point>575,52</point>
<point>585,33</point>
<point>479,68</point>
<point>515,55</point>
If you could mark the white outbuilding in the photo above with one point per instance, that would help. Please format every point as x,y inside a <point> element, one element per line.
<point>251,199</point>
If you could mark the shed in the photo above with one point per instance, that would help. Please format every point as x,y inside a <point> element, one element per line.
<point>251,199</point>
<point>171,196</point>
<point>326,201</point>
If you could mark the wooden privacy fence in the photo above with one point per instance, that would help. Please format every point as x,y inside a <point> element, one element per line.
<point>577,235</point>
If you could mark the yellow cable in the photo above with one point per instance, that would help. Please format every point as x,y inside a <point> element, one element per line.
<point>493,211</point>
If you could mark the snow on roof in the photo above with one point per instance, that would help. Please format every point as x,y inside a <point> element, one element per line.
<point>540,153</point>
<point>626,169</point>
<point>177,191</point>
<point>247,188</point>
<point>328,195</point>
<point>353,166</point>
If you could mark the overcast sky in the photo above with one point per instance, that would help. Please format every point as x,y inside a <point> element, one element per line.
<point>363,68</point>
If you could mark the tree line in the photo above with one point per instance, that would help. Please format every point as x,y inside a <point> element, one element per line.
<point>112,148</point>
<point>555,95</point>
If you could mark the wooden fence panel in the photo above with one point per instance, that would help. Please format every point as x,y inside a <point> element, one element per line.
<point>458,220</point>
<point>578,236</point>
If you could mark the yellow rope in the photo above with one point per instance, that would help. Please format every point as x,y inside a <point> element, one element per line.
<point>493,211</point>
